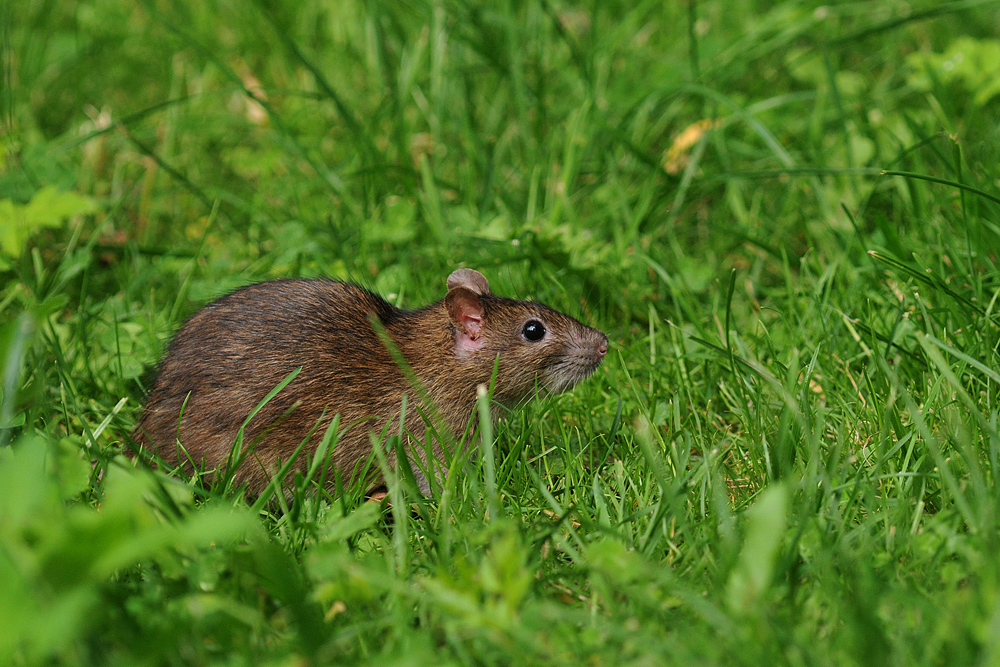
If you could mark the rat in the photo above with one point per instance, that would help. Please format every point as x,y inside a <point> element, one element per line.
<point>227,357</point>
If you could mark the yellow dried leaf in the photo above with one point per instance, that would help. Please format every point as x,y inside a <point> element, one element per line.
<point>675,159</point>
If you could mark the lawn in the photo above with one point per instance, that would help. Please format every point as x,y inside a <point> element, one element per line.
<point>785,215</point>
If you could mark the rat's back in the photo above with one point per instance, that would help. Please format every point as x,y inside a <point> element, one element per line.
<point>229,355</point>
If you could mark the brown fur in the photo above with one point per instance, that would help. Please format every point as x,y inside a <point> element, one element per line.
<point>230,354</point>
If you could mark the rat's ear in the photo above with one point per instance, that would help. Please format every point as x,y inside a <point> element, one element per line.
<point>466,313</point>
<point>470,280</point>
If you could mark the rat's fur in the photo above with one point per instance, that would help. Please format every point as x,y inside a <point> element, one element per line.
<point>230,354</point>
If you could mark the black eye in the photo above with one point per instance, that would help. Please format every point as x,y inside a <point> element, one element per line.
<point>533,330</point>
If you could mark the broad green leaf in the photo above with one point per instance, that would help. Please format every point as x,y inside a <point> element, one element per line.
<point>49,207</point>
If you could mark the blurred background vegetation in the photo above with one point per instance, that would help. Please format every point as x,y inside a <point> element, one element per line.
<point>785,215</point>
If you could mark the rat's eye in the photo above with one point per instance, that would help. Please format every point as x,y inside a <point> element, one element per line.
<point>533,330</point>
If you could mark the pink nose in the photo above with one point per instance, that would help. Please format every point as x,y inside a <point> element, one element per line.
<point>602,349</point>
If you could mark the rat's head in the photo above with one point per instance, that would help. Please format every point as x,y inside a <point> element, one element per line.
<point>537,346</point>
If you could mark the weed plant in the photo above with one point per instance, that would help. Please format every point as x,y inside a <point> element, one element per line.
<point>786,215</point>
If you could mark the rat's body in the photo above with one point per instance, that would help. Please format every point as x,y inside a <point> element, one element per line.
<point>230,354</point>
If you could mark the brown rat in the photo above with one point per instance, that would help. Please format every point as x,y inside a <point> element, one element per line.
<point>230,354</point>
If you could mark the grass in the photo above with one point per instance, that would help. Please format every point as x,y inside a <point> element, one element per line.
<point>785,215</point>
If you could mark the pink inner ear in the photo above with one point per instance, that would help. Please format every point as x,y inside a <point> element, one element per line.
<point>466,314</point>
<point>468,337</point>
<point>463,343</point>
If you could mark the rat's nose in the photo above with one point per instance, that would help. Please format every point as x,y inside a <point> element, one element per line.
<point>602,347</point>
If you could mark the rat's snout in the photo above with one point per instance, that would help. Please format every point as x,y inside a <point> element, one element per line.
<point>602,344</point>
<point>592,343</point>
<point>581,355</point>
<point>595,342</point>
